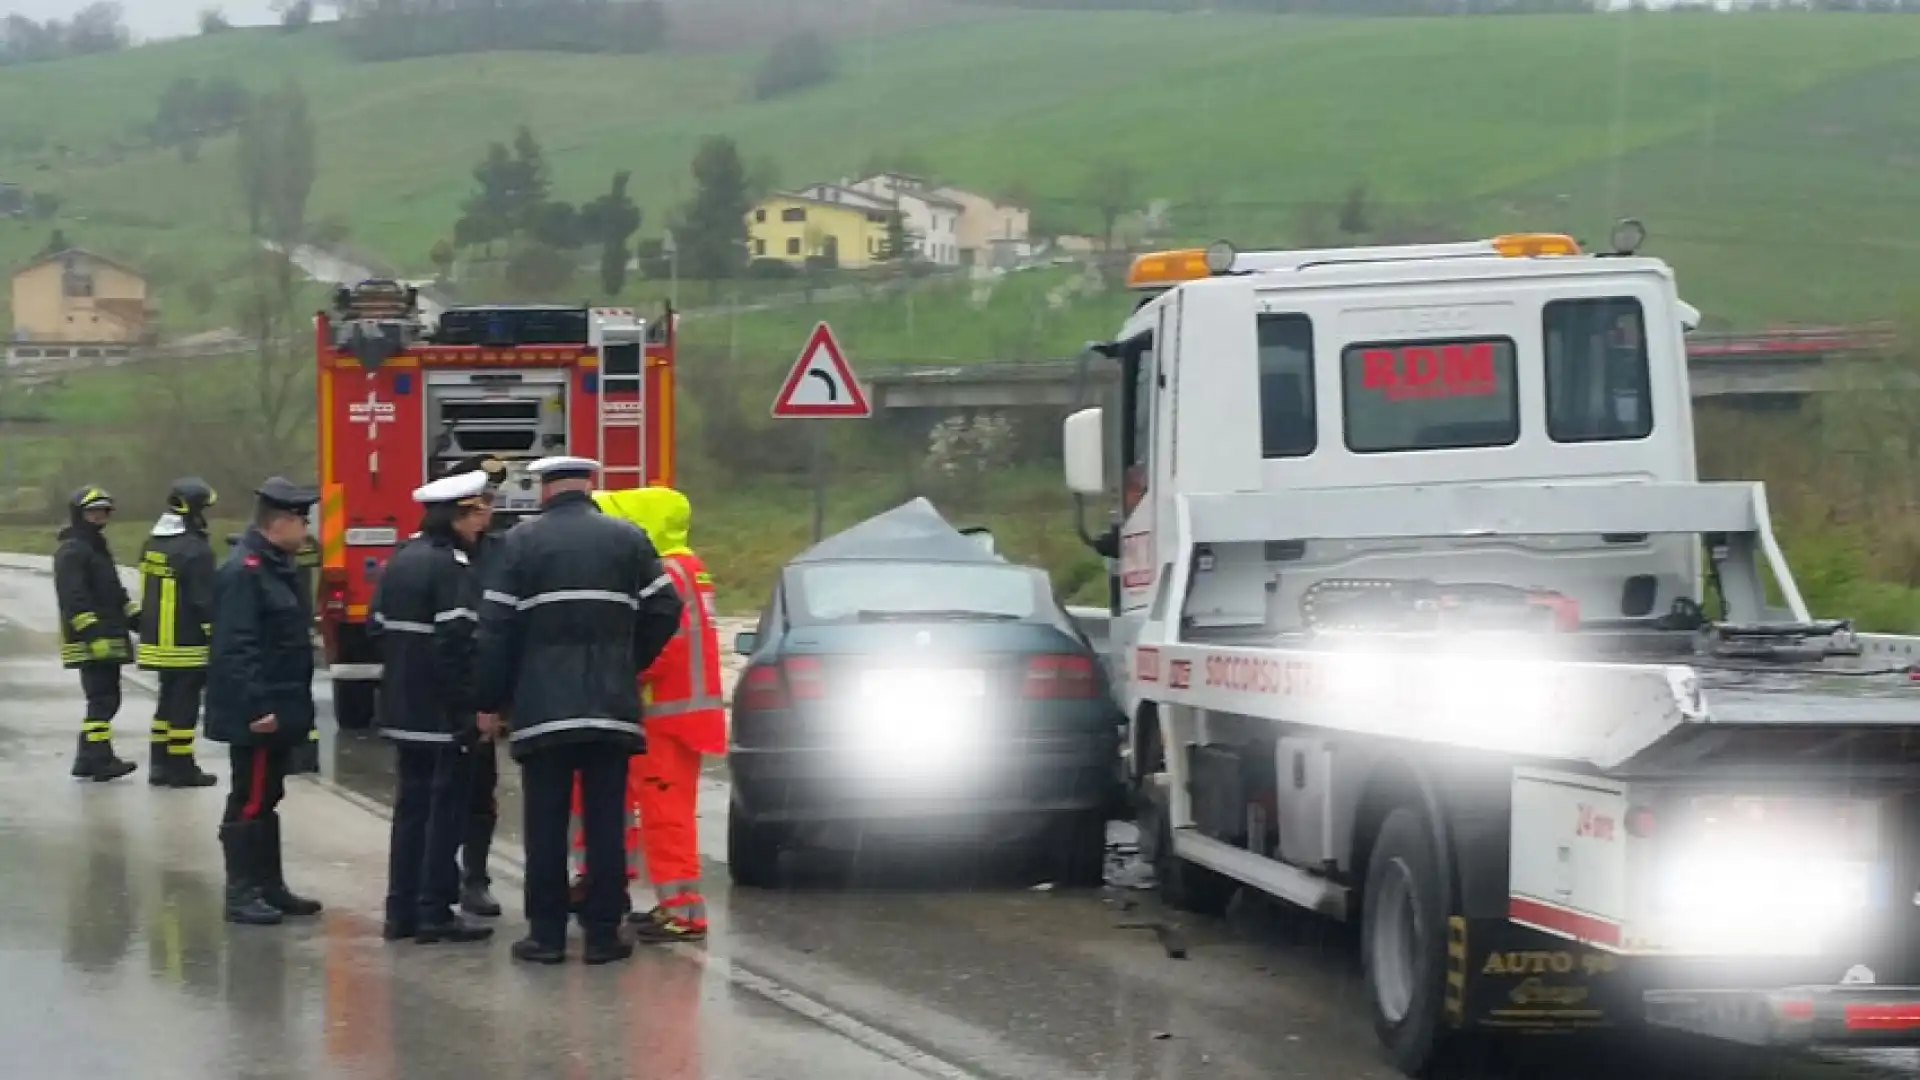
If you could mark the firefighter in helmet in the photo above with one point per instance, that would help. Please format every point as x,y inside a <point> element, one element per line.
<point>176,623</point>
<point>95,619</point>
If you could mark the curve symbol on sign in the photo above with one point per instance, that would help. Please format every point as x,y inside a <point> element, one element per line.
<point>833,388</point>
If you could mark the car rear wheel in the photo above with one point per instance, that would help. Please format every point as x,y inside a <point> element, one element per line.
<point>1077,850</point>
<point>354,703</point>
<point>753,851</point>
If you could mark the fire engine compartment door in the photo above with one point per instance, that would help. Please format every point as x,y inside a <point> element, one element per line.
<point>517,416</point>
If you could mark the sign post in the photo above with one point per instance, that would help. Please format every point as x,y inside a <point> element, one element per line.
<point>820,386</point>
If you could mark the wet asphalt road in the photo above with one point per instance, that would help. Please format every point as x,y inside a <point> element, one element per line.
<point>888,964</point>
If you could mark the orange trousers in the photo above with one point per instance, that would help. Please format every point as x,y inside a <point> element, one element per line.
<point>663,790</point>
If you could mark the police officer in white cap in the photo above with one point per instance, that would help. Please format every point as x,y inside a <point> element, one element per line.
<point>576,605</point>
<point>425,612</point>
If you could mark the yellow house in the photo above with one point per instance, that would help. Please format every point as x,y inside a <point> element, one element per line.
<point>78,297</point>
<point>793,227</point>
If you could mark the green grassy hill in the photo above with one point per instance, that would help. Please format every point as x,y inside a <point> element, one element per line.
<point>1754,146</point>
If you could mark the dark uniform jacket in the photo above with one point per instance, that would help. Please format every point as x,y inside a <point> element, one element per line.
<point>424,616</point>
<point>93,604</point>
<point>576,605</point>
<point>176,597</point>
<point>262,656</point>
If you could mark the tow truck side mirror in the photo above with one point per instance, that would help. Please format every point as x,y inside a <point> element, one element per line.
<point>744,642</point>
<point>1083,450</point>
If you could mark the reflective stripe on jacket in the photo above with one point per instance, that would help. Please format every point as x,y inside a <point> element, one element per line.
<point>176,597</point>
<point>684,700</point>
<point>95,611</point>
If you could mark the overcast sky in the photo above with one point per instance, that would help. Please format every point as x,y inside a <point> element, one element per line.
<point>150,18</point>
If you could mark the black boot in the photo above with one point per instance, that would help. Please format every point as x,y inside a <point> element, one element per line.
<point>171,770</point>
<point>534,951</point>
<point>605,947</point>
<point>96,761</point>
<point>273,880</point>
<point>455,929</point>
<point>157,758</point>
<point>244,905</point>
<point>475,896</point>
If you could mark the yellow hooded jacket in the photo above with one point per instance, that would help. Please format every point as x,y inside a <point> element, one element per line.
<point>664,513</point>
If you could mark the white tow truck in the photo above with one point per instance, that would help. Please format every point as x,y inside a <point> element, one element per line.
<point>1424,619</point>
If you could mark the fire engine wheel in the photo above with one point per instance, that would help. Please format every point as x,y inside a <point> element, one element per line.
<point>1403,941</point>
<point>354,703</point>
<point>753,851</point>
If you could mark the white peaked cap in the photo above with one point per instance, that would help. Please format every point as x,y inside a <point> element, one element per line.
<point>452,489</point>
<point>561,466</point>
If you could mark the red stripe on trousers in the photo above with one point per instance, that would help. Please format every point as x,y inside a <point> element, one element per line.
<point>258,792</point>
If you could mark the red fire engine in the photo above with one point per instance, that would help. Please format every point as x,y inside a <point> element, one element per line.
<point>403,397</point>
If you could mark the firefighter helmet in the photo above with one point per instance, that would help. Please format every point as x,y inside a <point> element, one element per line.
<point>91,497</point>
<point>190,497</point>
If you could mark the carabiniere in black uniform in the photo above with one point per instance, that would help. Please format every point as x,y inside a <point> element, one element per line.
<point>424,616</point>
<point>576,606</point>
<point>260,696</point>
<point>176,625</point>
<point>95,614</point>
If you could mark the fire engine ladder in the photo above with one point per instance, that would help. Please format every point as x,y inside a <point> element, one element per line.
<point>622,337</point>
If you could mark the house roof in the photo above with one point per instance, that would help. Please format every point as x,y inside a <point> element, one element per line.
<point>874,202</point>
<point>795,196</point>
<point>62,255</point>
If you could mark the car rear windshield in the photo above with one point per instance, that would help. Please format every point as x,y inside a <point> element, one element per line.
<point>1430,395</point>
<point>881,590</point>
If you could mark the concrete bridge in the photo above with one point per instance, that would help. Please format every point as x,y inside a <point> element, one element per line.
<point>1776,369</point>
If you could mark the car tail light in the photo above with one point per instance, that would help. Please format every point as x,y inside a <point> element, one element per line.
<point>805,679</point>
<point>761,688</point>
<point>1063,675</point>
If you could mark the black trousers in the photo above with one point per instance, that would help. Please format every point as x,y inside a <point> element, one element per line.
<point>177,713</point>
<point>547,794</point>
<point>101,684</point>
<point>483,813</point>
<point>429,818</point>
<point>259,782</point>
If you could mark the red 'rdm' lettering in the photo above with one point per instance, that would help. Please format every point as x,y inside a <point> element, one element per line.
<point>1415,372</point>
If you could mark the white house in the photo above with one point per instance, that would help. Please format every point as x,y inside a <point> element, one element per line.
<point>932,219</point>
<point>990,233</point>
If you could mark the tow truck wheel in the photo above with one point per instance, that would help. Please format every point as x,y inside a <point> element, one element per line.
<point>753,851</point>
<point>1183,885</point>
<point>354,702</point>
<point>1403,941</point>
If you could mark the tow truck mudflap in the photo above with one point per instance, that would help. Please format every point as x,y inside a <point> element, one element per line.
<point>1795,1016</point>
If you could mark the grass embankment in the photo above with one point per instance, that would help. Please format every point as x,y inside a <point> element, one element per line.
<point>1710,127</point>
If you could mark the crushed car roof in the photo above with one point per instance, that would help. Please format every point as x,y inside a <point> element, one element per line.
<point>913,531</point>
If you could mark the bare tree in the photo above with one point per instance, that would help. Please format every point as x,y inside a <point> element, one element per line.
<point>280,405</point>
<point>1111,188</point>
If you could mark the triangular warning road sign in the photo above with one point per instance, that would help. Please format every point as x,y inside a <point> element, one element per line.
<point>821,383</point>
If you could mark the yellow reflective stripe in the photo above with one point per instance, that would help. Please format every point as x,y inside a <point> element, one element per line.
<point>169,602</point>
<point>703,578</point>
<point>333,526</point>
<point>83,620</point>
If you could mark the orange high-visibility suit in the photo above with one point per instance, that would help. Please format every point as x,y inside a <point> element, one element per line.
<point>685,714</point>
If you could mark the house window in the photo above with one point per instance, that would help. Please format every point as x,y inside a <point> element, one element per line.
<point>759,247</point>
<point>76,281</point>
<point>793,245</point>
<point>794,213</point>
<point>760,216</point>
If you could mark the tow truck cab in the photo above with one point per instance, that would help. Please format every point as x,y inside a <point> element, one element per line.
<point>1408,621</point>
